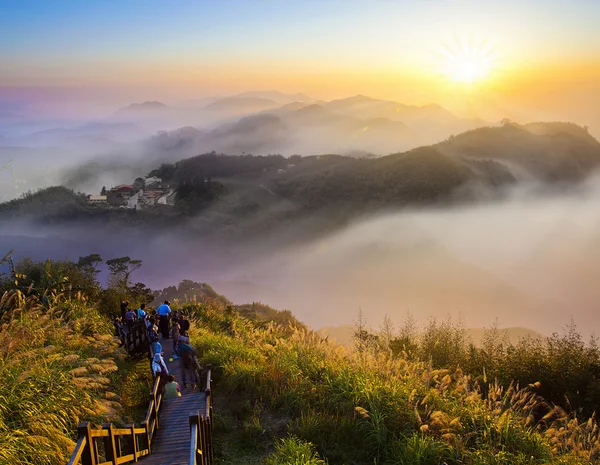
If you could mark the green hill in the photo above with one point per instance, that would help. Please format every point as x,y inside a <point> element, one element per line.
<point>562,152</point>
<point>246,194</point>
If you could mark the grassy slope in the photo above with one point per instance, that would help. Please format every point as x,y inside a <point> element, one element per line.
<point>59,366</point>
<point>272,381</point>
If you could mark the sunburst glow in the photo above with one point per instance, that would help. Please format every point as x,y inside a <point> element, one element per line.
<point>466,62</point>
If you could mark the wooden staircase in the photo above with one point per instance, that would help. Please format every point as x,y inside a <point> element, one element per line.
<point>176,431</point>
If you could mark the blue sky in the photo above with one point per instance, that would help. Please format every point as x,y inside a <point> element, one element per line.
<point>323,47</point>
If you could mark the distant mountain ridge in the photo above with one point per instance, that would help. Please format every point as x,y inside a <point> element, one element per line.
<point>357,124</point>
<point>142,108</point>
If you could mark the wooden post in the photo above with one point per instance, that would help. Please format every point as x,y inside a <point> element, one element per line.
<point>88,457</point>
<point>205,454</point>
<point>134,445</point>
<point>193,419</point>
<point>110,446</point>
<point>209,443</point>
<point>155,395</point>
<point>148,439</point>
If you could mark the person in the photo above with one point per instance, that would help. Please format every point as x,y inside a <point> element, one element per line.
<point>152,330</point>
<point>156,346</point>
<point>159,366</point>
<point>164,311</point>
<point>124,305</point>
<point>184,323</point>
<point>175,336</point>
<point>183,337</point>
<point>187,352</point>
<point>172,388</point>
<point>141,312</point>
<point>130,317</point>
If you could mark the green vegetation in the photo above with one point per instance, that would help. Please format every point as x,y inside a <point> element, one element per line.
<point>292,451</point>
<point>188,291</point>
<point>247,194</point>
<point>564,369</point>
<point>285,395</point>
<point>52,202</point>
<point>416,177</point>
<point>367,406</point>
<point>59,361</point>
<point>59,366</point>
<point>555,152</point>
<point>213,165</point>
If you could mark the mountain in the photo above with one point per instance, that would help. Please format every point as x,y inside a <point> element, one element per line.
<point>432,122</point>
<point>420,176</point>
<point>252,134</point>
<point>239,106</point>
<point>276,96</point>
<point>366,107</point>
<point>262,133</point>
<point>197,102</point>
<point>320,130</point>
<point>491,158</point>
<point>143,109</point>
<point>538,151</point>
<point>180,142</point>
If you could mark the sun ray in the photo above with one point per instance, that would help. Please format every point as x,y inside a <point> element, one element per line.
<point>466,61</point>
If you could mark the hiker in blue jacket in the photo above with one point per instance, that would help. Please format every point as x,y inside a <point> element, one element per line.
<point>164,311</point>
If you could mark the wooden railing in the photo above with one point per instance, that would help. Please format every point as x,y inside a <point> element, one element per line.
<point>113,446</point>
<point>134,338</point>
<point>110,445</point>
<point>201,445</point>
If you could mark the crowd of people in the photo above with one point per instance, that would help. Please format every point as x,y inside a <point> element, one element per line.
<point>171,325</point>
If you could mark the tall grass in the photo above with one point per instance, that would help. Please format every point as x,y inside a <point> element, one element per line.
<point>58,361</point>
<point>367,407</point>
<point>292,451</point>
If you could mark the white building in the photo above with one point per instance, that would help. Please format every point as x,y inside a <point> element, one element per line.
<point>97,199</point>
<point>152,182</point>
<point>133,200</point>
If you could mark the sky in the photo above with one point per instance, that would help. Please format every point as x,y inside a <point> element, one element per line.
<point>543,56</point>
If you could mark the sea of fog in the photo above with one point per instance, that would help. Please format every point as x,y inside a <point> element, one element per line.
<point>529,261</point>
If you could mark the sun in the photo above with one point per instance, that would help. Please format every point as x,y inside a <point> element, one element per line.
<point>466,61</point>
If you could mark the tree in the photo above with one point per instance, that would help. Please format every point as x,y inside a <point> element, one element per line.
<point>140,293</point>
<point>386,332</point>
<point>120,269</point>
<point>89,263</point>
<point>103,191</point>
<point>363,339</point>
<point>406,343</point>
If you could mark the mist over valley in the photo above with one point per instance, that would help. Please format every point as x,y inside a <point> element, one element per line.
<point>495,222</point>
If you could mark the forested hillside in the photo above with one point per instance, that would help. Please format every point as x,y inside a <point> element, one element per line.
<point>229,191</point>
